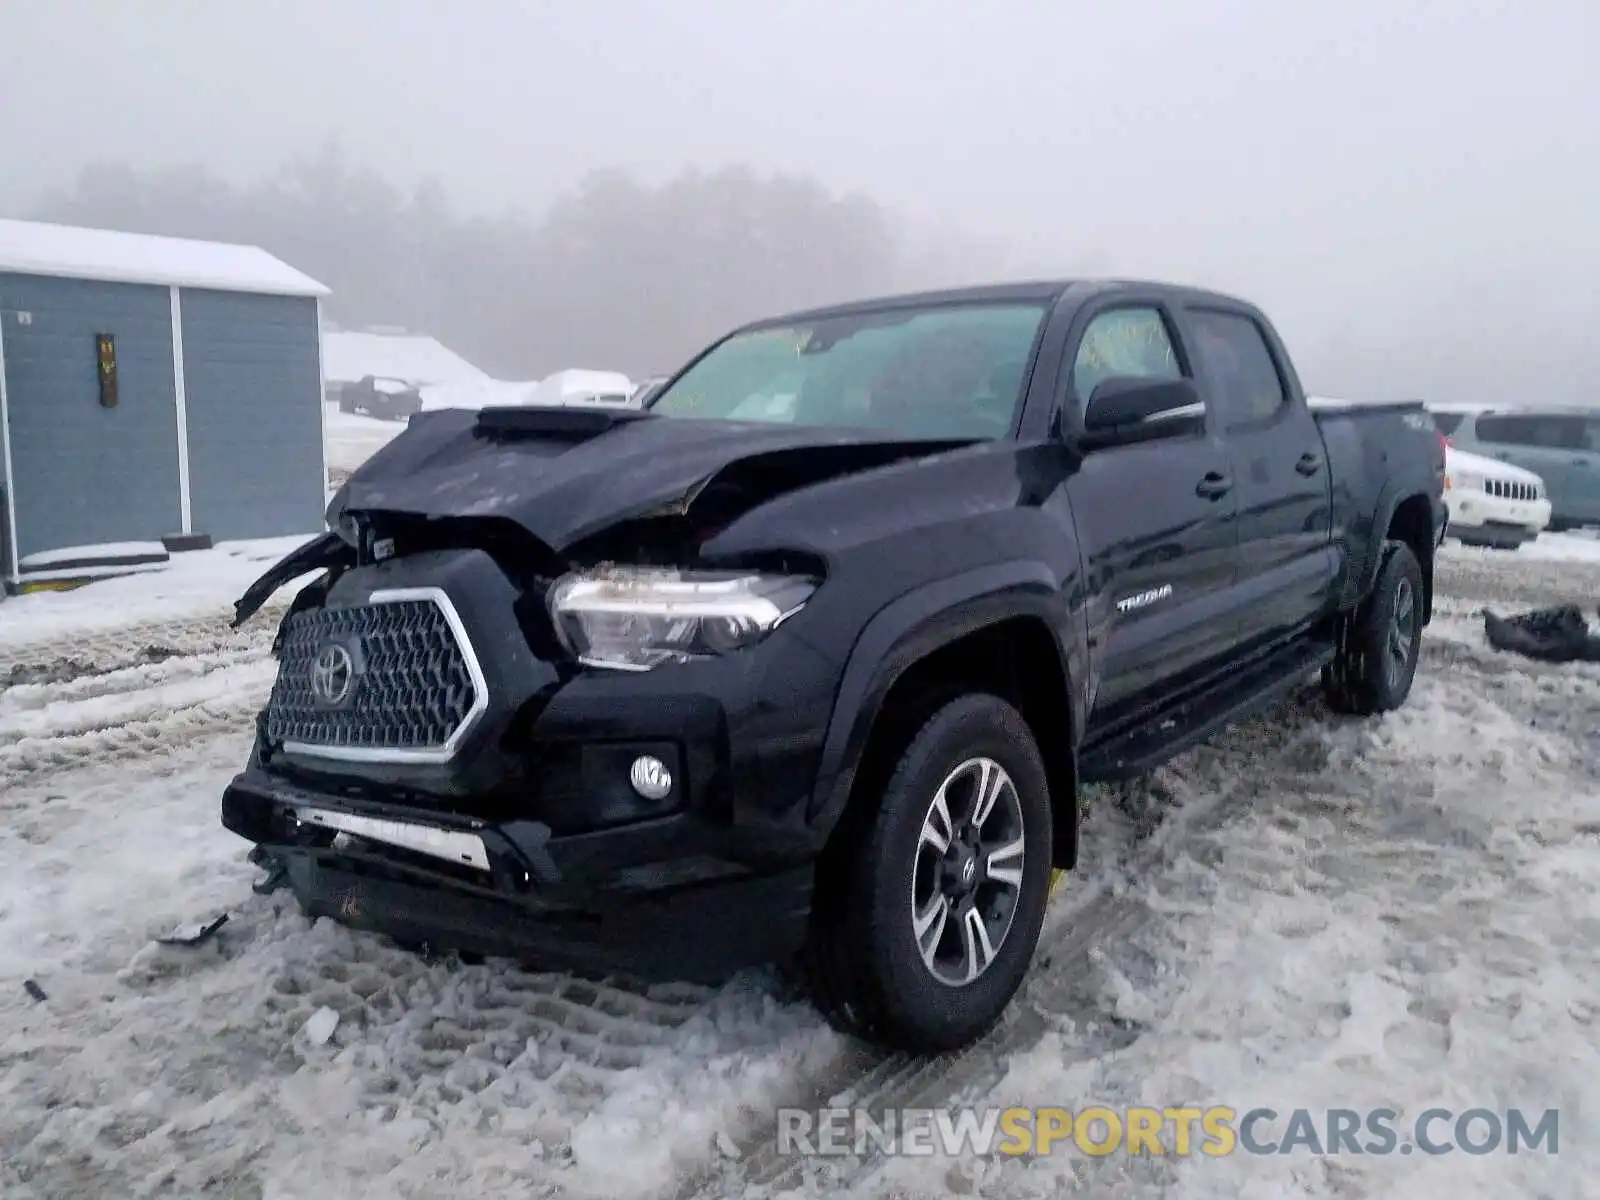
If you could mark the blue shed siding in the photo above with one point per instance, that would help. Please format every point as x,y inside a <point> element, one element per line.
<point>253,404</point>
<point>84,474</point>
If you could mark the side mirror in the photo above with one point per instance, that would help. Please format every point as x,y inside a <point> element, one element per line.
<point>1129,409</point>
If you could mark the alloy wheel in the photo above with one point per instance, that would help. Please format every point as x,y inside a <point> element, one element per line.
<point>967,880</point>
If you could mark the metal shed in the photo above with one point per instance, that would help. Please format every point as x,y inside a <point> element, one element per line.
<point>154,387</point>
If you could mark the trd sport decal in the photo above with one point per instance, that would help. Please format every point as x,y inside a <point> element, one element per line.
<point>1144,599</point>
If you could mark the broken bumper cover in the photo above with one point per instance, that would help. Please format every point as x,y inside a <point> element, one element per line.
<point>653,899</point>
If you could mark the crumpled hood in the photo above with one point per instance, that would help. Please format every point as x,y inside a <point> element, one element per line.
<point>565,474</point>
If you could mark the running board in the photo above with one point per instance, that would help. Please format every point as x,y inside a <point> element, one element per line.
<point>1130,753</point>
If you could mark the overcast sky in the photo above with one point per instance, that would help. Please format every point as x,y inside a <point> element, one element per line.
<point>1435,163</point>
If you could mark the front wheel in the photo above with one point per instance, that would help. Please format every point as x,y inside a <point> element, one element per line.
<point>925,924</point>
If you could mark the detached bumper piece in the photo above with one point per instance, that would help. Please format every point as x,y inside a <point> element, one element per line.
<point>647,900</point>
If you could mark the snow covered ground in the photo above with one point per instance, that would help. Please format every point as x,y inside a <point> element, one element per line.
<point>352,439</point>
<point>191,586</point>
<point>1308,912</point>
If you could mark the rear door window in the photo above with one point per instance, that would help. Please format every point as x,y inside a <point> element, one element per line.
<point>1234,355</point>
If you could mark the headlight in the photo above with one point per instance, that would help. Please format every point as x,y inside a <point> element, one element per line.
<point>1468,482</point>
<point>633,619</point>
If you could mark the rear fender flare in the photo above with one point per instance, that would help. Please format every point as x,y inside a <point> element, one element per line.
<point>1389,501</point>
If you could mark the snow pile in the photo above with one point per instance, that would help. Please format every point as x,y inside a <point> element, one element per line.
<point>481,393</point>
<point>349,357</point>
<point>351,439</point>
<point>580,386</point>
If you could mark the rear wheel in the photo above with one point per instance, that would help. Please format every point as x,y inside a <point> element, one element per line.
<point>1377,660</point>
<point>928,912</point>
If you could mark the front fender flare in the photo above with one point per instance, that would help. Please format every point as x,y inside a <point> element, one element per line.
<point>907,630</point>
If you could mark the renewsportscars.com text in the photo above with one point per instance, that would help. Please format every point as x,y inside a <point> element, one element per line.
<point>1215,1131</point>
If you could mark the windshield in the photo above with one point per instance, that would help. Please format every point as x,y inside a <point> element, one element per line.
<point>945,372</point>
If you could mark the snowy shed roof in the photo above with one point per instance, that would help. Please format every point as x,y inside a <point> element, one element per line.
<point>348,356</point>
<point>67,251</point>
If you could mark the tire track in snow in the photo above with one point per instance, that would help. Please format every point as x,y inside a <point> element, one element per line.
<point>130,692</point>
<point>460,1073</point>
<point>70,656</point>
<point>133,713</point>
<point>1195,793</point>
<point>1496,579</point>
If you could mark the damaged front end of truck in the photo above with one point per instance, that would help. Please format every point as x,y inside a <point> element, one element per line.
<point>467,743</point>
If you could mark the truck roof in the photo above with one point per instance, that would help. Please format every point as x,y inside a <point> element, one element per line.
<point>1020,292</point>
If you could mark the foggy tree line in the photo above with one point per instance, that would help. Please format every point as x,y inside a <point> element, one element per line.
<point>616,273</point>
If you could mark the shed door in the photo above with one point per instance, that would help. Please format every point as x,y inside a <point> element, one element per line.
<point>86,474</point>
<point>253,398</point>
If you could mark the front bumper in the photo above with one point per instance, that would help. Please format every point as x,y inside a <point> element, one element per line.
<point>1496,517</point>
<point>656,899</point>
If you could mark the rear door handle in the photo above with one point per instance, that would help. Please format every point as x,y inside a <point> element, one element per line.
<point>1309,464</point>
<point>1214,486</point>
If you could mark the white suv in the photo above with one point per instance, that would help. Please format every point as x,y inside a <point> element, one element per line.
<point>1491,503</point>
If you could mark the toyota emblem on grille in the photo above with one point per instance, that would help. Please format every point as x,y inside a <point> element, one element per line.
<point>333,675</point>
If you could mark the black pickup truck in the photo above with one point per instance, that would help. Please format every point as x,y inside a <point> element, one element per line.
<point>808,659</point>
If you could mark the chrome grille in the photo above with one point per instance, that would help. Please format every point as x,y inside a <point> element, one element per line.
<point>415,688</point>
<point>1510,491</point>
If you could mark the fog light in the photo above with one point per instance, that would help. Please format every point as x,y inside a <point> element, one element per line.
<point>650,777</point>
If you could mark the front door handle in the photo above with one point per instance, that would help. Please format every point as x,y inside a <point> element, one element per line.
<point>1214,486</point>
<point>1580,462</point>
<point>1309,464</point>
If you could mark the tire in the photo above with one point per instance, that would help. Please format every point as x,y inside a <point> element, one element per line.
<point>1380,645</point>
<point>863,964</point>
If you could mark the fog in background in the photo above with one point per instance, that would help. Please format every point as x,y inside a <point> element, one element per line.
<point>1412,189</point>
